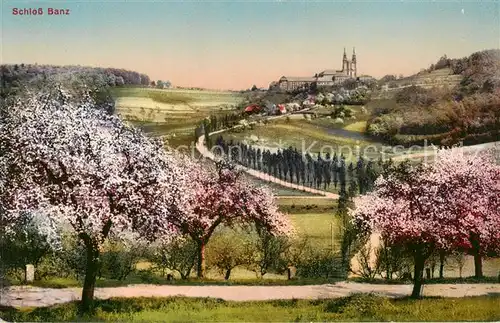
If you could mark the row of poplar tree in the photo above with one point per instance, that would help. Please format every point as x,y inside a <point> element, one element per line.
<point>320,171</point>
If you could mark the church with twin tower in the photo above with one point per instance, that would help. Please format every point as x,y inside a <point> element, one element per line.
<point>325,78</point>
<point>349,66</point>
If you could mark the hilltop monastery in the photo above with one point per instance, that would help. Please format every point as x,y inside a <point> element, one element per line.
<point>326,77</point>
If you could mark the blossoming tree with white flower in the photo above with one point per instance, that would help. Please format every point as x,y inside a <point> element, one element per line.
<point>79,168</point>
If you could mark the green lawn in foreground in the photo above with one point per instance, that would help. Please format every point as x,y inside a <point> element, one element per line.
<point>358,307</point>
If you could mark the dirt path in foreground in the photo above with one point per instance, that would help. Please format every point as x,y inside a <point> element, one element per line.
<point>23,296</point>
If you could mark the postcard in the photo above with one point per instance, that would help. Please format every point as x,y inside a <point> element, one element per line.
<point>184,161</point>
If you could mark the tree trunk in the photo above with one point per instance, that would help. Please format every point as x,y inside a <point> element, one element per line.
<point>90,277</point>
<point>418,273</point>
<point>387,265</point>
<point>201,259</point>
<point>228,274</point>
<point>476,252</point>
<point>478,266</point>
<point>441,265</point>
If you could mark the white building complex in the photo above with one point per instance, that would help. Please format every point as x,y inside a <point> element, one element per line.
<point>326,77</point>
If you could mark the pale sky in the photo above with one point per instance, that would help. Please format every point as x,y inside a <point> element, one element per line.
<point>233,45</point>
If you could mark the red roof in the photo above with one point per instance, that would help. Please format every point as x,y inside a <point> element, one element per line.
<point>252,107</point>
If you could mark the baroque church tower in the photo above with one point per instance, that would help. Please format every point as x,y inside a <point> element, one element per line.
<point>349,67</point>
<point>345,64</point>
<point>354,69</point>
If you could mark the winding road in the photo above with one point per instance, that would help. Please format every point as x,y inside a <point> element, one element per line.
<point>200,145</point>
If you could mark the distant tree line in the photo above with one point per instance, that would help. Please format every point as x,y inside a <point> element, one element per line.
<point>161,84</point>
<point>15,77</point>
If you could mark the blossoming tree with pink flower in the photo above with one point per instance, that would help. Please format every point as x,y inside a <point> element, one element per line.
<point>451,204</point>
<point>219,195</point>
<point>470,184</point>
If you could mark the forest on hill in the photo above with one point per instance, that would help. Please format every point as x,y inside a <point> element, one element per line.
<point>468,113</point>
<point>15,77</point>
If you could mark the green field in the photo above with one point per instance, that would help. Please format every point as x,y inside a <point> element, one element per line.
<point>301,134</point>
<point>321,229</point>
<point>172,114</point>
<point>359,126</point>
<point>306,205</point>
<point>358,307</point>
<point>277,189</point>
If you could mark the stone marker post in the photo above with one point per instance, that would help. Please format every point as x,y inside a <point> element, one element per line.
<point>30,273</point>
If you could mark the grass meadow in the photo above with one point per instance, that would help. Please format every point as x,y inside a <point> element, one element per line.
<point>172,113</point>
<point>306,135</point>
<point>358,126</point>
<point>357,307</point>
<point>280,190</point>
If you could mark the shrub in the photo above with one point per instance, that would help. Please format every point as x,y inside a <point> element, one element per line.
<point>72,257</point>
<point>229,249</point>
<point>357,305</point>
<point>319,264</point>
<point>351,242</point>
<point>25,245</point>
<point>270,251</point>
<point>295,254</point>
<point>119,260</point>
<point>179,255</point>
<point>415,95</point>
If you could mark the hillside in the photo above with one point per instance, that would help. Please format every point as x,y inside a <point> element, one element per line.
<point>443,77</point>
<point>456,100</point>
<point>470,74</point>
